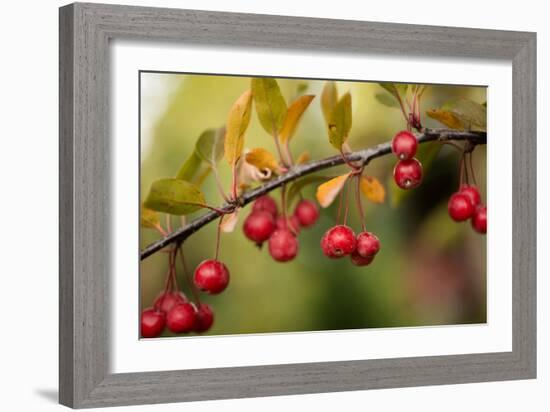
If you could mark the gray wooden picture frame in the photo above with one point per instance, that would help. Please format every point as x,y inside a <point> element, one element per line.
<point>85,32</point>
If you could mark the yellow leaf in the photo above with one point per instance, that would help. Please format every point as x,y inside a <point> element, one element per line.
<point>303,158</point>
<point>237,122</point>
<point>372,189</point>
<point>329,98</point>
<point>229,222</point>
<point>293,116</point>
<point>340,122</point>
<point>445,117</point>
<point>149,218</point>
<point>327,192</point>
<point>262,159</point>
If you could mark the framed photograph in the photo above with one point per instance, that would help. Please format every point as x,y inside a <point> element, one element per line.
<point>256,205</point>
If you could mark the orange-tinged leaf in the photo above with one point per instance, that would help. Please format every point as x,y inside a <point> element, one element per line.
<point>229,222</point>
<point>303,158</point>
<point>327,192</point>
<point>262,159</point>
<point>446,117</point>
<point>329,98</point>
<point>293,116</point>
<point>237,123</point>
<point>372,189</point>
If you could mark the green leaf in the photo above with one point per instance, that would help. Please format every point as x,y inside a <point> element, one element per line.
<point>329,98</point>
<point>401,88</point>
<point>237,123</point>
<point>395,89</point>
<point>340,122</point>
<point>149,218</point>
<point>174,196</point>
<point>461,114</point>
<point>189,168</point>
<point>472,115</point>
<point>386,100</point>
<point>389,87</point>
<point>301,88</point>
<point>270,104</point>
<point>209,146</point>
<point>300,184</point>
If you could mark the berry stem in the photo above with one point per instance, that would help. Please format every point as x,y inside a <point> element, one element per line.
<point>219,185</point>
<point>187,274</point>
<point>464,160</point>
<point>461,171</point>
<point>289,153</point>
<point>168,223</point>
<point>340,200</point>
<point>174,281</point>
<point>470,155</point>
<point>218,236</point>
<point>359,202</point>
<point>279,149</point>
<point>168,281</point>
<point>160,229</point>
<point>234,181</point>
<point>354,168</point>
<point>347,201</point>
<point>283,201</point>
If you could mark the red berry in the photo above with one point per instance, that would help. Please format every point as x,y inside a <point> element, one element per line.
<point>211,276</point>
<point>258,226</point>
<point>307,213</point>
<point>460,207</point>
<point>367,244</point>
<point>204,318</point>
<point>338,241</point>
<point>181,318</point>
<point>359,260</point>
<point>266,204</point>
<point>283,245</point>
<point>479,219</point>
<point>404,145</point>
<point>408,173</point>
<point>152,323</point>
<point>290,223</point>
<point>166,301</point>
<point>472,194</point>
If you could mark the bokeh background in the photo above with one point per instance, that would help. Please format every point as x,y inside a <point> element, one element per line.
<point>430,270</point>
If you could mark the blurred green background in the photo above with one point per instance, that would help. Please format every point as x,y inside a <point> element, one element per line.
<point>430,270</point>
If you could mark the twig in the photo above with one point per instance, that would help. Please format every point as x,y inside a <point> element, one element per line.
<point>362,156</point>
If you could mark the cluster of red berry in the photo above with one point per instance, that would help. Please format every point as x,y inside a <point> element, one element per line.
<point>340,241</point>
<point>407,173</point>
<point>466,204</point>
<point>173,310</point>
<point>281,231</point>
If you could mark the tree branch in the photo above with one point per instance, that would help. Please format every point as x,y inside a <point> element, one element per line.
<point>363,156</point>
